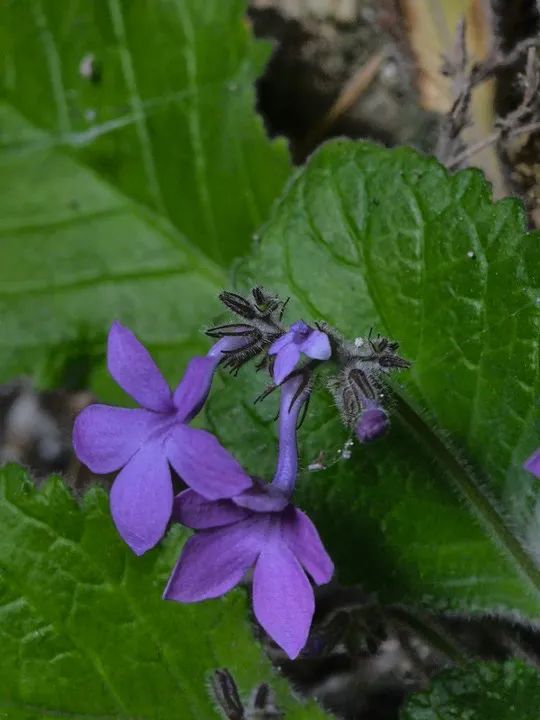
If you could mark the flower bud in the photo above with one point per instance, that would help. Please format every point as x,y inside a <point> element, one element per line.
<point>533,464</point>
<point>373,423</point>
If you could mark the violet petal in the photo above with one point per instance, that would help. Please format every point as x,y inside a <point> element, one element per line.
<point>105,437</point>
<point>142,499</point>
<point>280,343</point>
<point>285,362</point>
<point>227,344</point>
<point>533,464</point>
<point>283,597</point>
<point>317,346</point>
<point>300,328</point>
<point>191,393</point>
<point>303,539</point>
<point>204,464</point>
<point>262,498</point>
<point>287,464</point>
<point>195,511</point>
<point>132,367</point>
<point>214,561</point>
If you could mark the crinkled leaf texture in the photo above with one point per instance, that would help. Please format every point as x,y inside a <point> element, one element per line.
<point>439,512</point>
<point>479,691</point>
<point>84,631</point>
<point>132,169</point>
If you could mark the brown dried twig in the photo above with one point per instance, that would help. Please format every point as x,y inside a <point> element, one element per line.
<point>451,149</point>
<point>515,123</point>
<point>350,93</point>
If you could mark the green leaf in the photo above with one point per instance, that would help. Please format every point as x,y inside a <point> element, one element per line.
<point>115,190</point>
<point>84,631</point>
<point>166,114</point>
<point>440,512</point>
<point>479,691</point>
<point>76,254</point>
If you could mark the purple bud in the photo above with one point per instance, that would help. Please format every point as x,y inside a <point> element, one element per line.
<point>373,423</point>
<point>533,464</point>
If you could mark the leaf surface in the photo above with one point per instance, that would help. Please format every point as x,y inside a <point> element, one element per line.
<point>479,691</point>
<point>132,169</point>
<point>439,512</point>
<point>83,628</point>
<point>158,99</point>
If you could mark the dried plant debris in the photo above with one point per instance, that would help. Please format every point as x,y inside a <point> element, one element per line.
<point>35,427</point>
<point>451,147</point>
<point>363,660</point>
<point>522,156</point>
<point>261,704</point>
<point>338,68</point>
<point>373,70</point>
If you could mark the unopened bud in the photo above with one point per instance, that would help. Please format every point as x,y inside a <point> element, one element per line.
<point>373,423</point>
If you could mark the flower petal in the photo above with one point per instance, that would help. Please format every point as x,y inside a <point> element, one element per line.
<point>214,561</point>
<point>195,511</point>
<point>142,499</point>
<point>191,393</point>
<point>303,539</point>
<point>317,346</point>
<point>262,497</point>
<point>204,464</point>
<point>227,344</point>
<point>280,343</point>
<point>300,328</point>
<point>285,362</point>
<point>130,364</point>
<point>283,597</point>
<point>294,393</point>
<point>533,464</point>
<point>105,437</point>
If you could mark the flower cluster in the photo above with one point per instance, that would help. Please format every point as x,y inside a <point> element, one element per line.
<point>257,529</point>
<point>358,381</point>
<point>241,523</point>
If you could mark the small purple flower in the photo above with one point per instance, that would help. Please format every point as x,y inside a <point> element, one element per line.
<point>533,464</point>
<point>300,339</point>
<point>143,441</point>
<point>262,530</point>
<point>373,422</point>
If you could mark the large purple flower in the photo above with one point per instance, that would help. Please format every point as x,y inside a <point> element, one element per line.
<point>143,441</point>
<point>300,339</point>
<point>258,529</point>
<point>533,464</point>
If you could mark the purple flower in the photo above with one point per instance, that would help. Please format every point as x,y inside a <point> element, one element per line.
<point>300,339</point>
<point>142,442</point>
<point>258,529</point>
<point>373,422</point>
<point>533,464</point>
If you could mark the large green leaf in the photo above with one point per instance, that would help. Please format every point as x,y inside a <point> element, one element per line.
<point>84,632</point>
<point>440,512</point>
<point>480,691</point>
<point>76,254</point>
<point>166,114</point>
<point>115,189</point>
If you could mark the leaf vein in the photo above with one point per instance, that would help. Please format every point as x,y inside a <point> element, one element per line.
<point>195,130</point>
<point>52,58</point>
<point>136,104</point>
